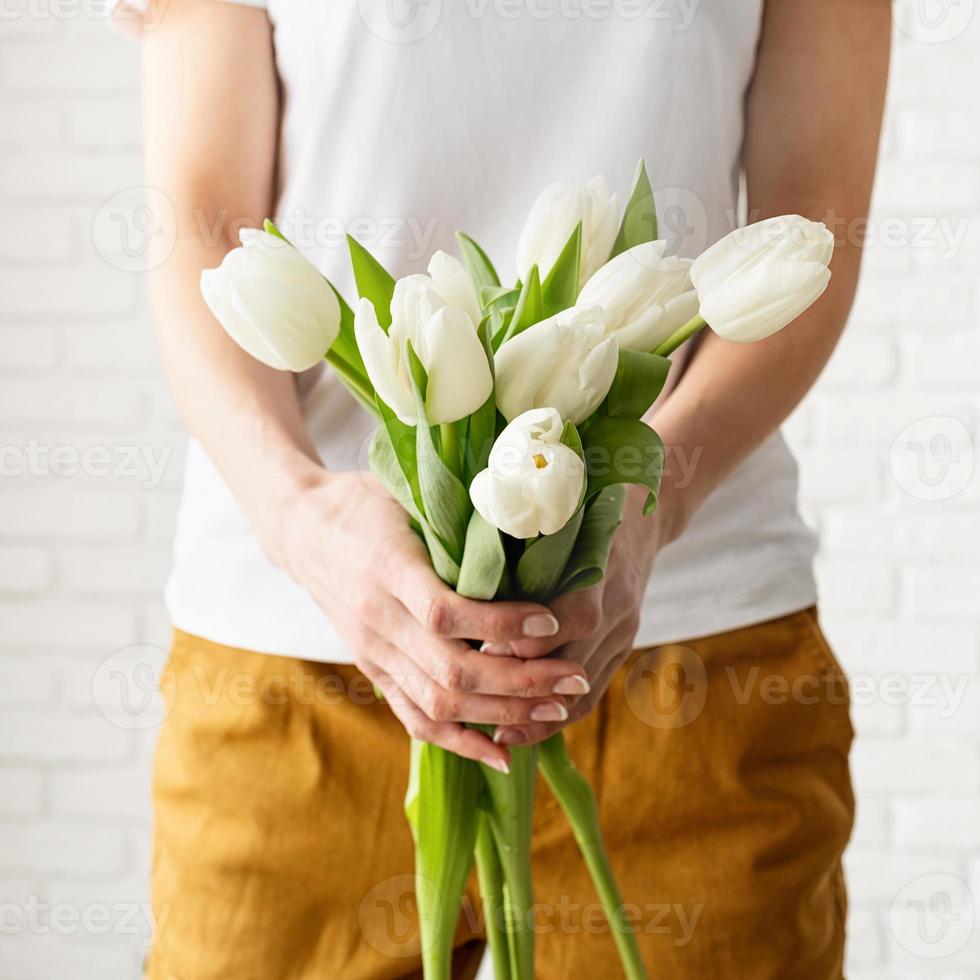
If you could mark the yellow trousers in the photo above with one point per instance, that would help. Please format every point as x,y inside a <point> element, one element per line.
<point>720,765</point>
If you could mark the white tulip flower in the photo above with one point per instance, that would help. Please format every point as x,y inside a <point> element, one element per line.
<point>439,314</point>
<point>273,302</point>
<point>645,295</point>
<point>566,362</point>
<point>757,279</point>
<point>533,482</point>
<point>553,217</point>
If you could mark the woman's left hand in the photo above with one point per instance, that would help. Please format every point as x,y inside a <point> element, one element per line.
<point>604,620</point>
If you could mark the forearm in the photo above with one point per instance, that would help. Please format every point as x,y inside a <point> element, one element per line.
<point>813,114</point>
<point>732,397</point>
<point>246,415</point>
<point>212,156</point>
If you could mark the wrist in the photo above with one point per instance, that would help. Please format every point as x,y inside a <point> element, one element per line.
<point>293,486</point>
<point>664,525</point>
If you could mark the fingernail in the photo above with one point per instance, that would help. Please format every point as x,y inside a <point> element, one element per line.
<point>574,684</point>
<point>508,736</point>
<point>497,649</point>
<point>552,711</point>
<point>497,764</point>
<point>540,624</point>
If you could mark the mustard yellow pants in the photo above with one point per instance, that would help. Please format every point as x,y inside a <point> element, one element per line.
<point>720,765</point>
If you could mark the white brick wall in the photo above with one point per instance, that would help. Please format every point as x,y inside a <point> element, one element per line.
<point>887,477</point>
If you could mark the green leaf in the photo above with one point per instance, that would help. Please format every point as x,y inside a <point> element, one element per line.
<point>442,806</point>
<point>483,560</point>
<point>444,565</point>
<point>269,226</point>
<point>345,346</point>
<point>480,268</point>
<point>402,439</point>
<point>497,297</point>
<point>590,556</point>
<point>388,469</point>
<point>445,500</point>
<point>639,380</point>
<point>571,438</point>
<point>374,282</point>
<point>623,451</point>
<point>539,569</point>
<point>575,796</point>
<point>639,223</point>
<point>529,309</point>
<point>560,287</point>
<point>483,422</point>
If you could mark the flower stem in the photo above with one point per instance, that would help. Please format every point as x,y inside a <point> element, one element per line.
<point>491,876</point>
<point>575,796</point>
<point>509,817</point>
<point>449,439</point>
<point>678,337</point>
<point>442,807</point>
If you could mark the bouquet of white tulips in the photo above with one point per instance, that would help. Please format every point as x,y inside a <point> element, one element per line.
<point>511,419</point>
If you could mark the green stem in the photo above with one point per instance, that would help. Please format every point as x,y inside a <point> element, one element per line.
<point>510,819</point>
<point>680,335</point>
<point>575,796</point>
<point>352,380</point>
<point>449,440</point>
<point>491,876</point>
<point>442,807</point>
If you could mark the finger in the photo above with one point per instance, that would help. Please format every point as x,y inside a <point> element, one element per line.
<point>442,705</point>
<point>457,667</point>
<point>444,613</point>
<point>466,742</point>
<point>536,732</point>
<point>579,615</point>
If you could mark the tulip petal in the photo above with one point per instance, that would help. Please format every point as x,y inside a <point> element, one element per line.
<point>300,318</point>
<point>216,295</point>
<point>522,364</point>
<point>556,490</point>
<point>460,380</point>
<point>501,503</point>
<point>453,282</point>
<point>596,377</point>
<point>756,305</point>
<point>381,357</point>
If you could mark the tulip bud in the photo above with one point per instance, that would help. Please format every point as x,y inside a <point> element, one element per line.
<point>273,302</point>
<point>757,279</point>
<point>565,362</point>
<point>645,296</point>
<point>533,482</point>
<point>444,337</point>
<point>553,217</point>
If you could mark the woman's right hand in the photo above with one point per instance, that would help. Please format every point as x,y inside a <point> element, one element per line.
<point>346,542</point>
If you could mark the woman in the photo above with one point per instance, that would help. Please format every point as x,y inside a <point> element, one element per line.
<point>280,846</point>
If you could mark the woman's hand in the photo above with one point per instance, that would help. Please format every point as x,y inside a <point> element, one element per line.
<point>350,546</point>
<point>598,624</point>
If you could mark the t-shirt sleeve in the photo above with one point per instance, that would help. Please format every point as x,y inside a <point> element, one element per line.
<point>133,17</point>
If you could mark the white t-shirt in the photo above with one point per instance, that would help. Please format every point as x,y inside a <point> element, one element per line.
<point>405,120</point>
